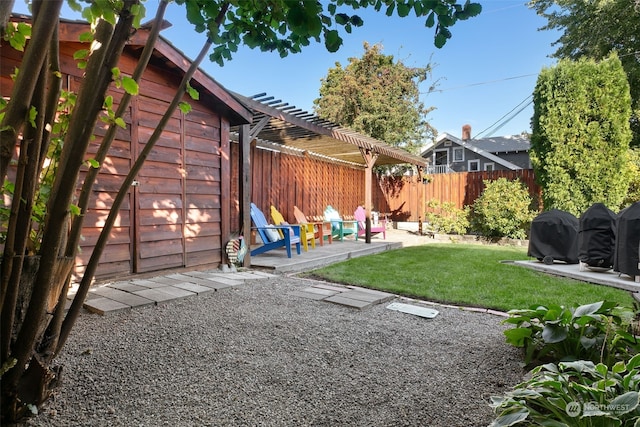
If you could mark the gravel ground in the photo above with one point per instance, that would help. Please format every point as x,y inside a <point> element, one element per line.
<point>254,355</point>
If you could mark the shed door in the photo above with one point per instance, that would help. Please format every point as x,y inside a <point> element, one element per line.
<point>177,216</point>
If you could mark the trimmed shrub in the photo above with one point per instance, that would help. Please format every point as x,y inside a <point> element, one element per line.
<point>445,217</point>
<point>503,210</point>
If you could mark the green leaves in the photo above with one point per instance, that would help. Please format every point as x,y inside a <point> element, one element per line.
<point>517,337</point>
<point>596,332</point>
<point>581,116</point>
<point>503,210</point>
<point>286,26</point>
<point>17,35</point>
<point>576,393</point>
<point>332,40</point>
<point>129,85</point>
<point>192,92</point>
<point>185,107</point>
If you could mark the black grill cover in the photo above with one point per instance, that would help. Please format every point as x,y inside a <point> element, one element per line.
<point>554,237</point>
<point>597,236</point>
<point>628,241</point>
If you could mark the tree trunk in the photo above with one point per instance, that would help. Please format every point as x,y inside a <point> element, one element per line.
<point>39,379</point>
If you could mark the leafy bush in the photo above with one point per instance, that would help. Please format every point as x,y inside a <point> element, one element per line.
<point>576,394</point>
<point>633,194</point>
<point>599,332</point>
<point>503,210</point>
<point>445,217</point>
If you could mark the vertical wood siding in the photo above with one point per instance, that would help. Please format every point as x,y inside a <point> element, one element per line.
<point>285,181</point>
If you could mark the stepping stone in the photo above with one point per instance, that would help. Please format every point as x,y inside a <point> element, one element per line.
<point>193,287</point>
<point>105,305</point>
<point>331,287</point>
<point>349,302</point>
<point>308,295</point>
<point>225,281</point>
<point>368,296</point>
<point>148,284</point>
<point>319,291</point>
<point>164,294</point>
<point>166,280</point>
<point>126,286</point>
<point>123,297</point>
<point>199,281</point>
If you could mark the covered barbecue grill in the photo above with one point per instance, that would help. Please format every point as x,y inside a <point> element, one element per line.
<point>597,237</point>
<point>627,251</point>
<point>554,237</point>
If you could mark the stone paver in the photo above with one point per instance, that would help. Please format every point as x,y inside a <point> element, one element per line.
<point>226,281</point>
<point>308,295</point>
<point>126,286</point>
<point>218,286</point>
<point>127,298</point>
<point>148,284</point>
<point>331,287</point>
<point>370,297</point>
<point>104,305</point>
<point>193,287</point>
<point>166,280</point>
<point>349,302</point>
<point>319,291</point>
<point>166,293</point>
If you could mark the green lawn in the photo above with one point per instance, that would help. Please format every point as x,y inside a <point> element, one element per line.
<point>466,274</point>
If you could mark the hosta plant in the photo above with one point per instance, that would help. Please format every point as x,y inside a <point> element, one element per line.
<point>575,394</point>
<point>600,332</point>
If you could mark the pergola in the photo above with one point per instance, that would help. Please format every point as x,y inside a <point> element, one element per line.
<point>276,123</point>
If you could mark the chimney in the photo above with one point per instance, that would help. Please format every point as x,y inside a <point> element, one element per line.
<point>466,132</point>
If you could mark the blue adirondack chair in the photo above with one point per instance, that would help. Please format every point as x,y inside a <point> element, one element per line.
<point>271,239</point>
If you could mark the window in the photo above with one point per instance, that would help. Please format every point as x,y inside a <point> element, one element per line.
<point>489,167</point>
<point>474,165</point>
<point>441,157</point>
<point>458,154</point>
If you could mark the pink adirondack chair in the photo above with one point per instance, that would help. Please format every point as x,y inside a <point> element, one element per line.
<point>361,216</point>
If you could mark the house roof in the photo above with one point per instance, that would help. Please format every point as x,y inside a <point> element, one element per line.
<point>469,145</point>
<point>285,125</point>
<point>502,144</point>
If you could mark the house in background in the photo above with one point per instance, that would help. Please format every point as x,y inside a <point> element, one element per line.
<point>451,154</point>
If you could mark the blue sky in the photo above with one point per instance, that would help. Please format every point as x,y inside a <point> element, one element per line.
<point>486,71</point>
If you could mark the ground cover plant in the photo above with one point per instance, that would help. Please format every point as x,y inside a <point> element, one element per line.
<point>578,393</point>
<point>466,274</point>
<point>599,332</point>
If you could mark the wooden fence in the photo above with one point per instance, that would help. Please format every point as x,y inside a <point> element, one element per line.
<point>404,198</point>
<point>308,182</point>
<point>312,183</point>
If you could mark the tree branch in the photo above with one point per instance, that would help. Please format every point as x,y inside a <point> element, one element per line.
<point>92,174</point>
<point>18,108</point>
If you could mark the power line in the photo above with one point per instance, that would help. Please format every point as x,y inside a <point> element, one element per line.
<point>509,116</point>
<point>482,83</point>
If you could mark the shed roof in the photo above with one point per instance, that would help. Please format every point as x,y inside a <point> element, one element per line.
<point>169,57</point>
<point>273,122</point>
<point>285,125</point>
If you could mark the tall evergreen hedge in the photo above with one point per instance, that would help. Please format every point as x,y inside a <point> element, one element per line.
<point>580,134</point>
